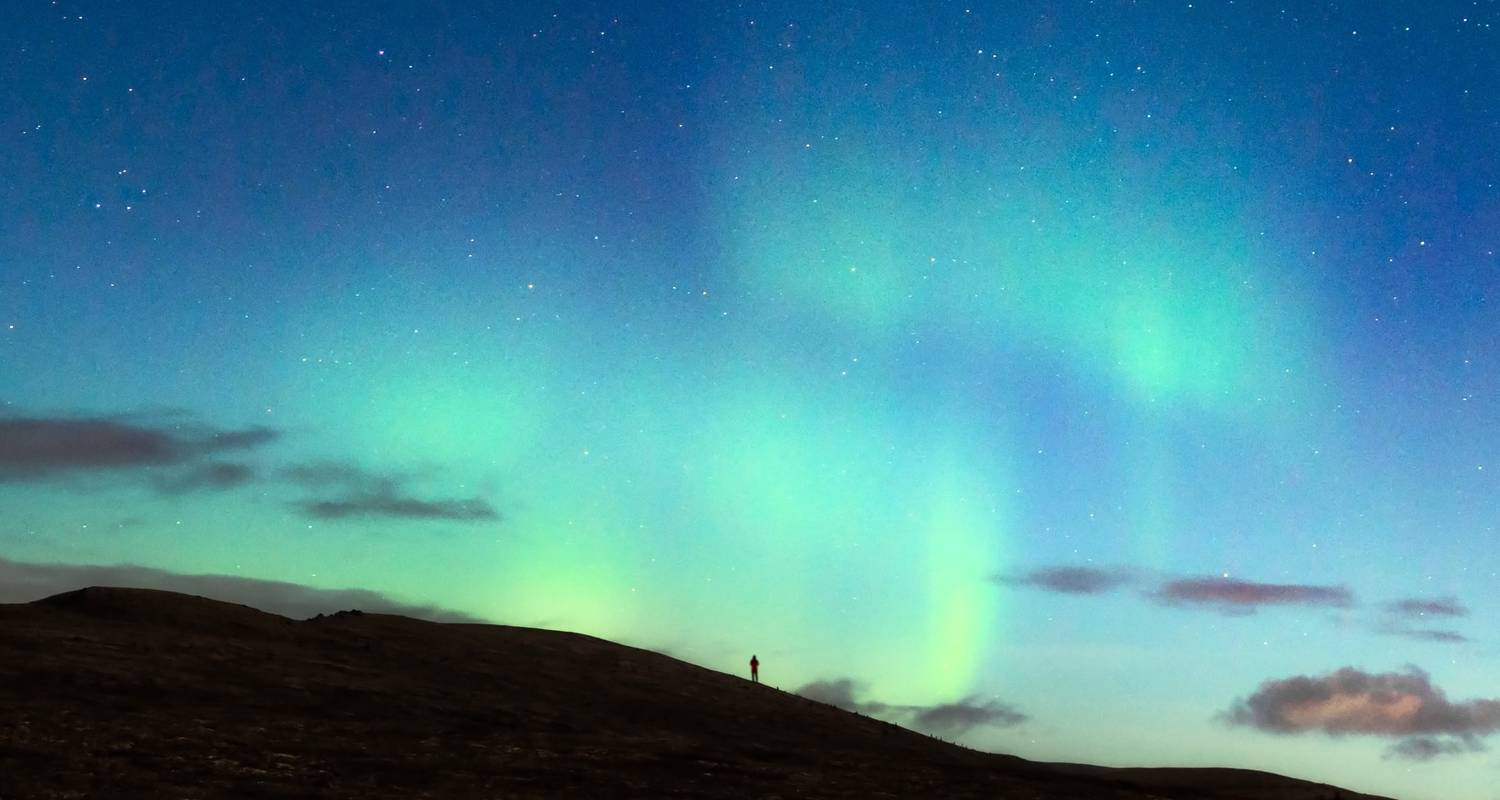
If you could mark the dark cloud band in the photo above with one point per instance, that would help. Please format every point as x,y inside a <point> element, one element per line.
<point>389,504</point>
<point>33,448</point>
<point>1069,580</point>
<point>347,491</point>
<point>1426,635</point>
<point>1241,596</point>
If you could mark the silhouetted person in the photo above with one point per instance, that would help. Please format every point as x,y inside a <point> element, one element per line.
<point>754,669</point>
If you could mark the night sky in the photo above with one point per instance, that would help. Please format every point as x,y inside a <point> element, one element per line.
<point>1108,382</point>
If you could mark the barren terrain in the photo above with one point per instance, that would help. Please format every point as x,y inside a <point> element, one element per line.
<point>127,693</point>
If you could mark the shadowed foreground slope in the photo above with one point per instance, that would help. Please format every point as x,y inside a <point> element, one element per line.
<point>139,693</point>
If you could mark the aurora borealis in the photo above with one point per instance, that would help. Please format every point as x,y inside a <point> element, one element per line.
<point>1110,361</point>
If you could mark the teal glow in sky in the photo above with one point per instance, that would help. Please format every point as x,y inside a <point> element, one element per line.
<point>1100,368</point>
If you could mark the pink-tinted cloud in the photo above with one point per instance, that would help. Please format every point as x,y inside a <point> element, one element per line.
<point>1243,597</point>
<point>1351,701</point>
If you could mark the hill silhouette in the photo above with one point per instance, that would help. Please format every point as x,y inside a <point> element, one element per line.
<point>133,693</point>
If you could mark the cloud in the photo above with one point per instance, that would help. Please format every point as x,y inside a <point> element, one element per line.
<point>1236,596</point>
<point>1426,748</point>
<point>176,455</point>
<point>386,503</point>
<point>839,693</point>
<point>1354,702</point>
<point>1426,634</point>
<point>1403,618</point>
<point>1069,580</point>
<point>35,448</point>
<point>955,719</point>
<point>353,492</point>
<point>950,720</point>
<point>1427,607</point>
<point>1225,594</point>
<point>1242,597</point>
<point>22,582</point>
<point>212,475</point>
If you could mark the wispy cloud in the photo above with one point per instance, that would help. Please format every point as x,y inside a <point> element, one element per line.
<point>1351,701</point>
<point>387,503</point>
<point>344,491</point>
<point>1425,634</point>
<point>1427,607</point>
<point>1239,597</point>
<point>1069,580</point>
<point>1406,617</point>
<point>22,582</point>
<point>1226,595</point>
<point>212,475</point>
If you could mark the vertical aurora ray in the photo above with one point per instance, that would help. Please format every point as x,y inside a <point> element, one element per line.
<point>964,545</point>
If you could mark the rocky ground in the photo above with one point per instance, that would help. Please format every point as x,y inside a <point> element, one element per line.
<point>125,693</point>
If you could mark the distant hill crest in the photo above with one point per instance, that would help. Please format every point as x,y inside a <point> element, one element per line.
<point>156,606</point>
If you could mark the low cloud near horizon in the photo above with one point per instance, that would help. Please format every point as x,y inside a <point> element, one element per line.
<point>1350,702</point>
<point>23,582</point>
<point>949,720</point>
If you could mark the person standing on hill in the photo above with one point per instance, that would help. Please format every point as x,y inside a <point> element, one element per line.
<point>754,668</point>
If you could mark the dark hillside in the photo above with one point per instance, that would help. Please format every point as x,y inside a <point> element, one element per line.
<point>132,693</point>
